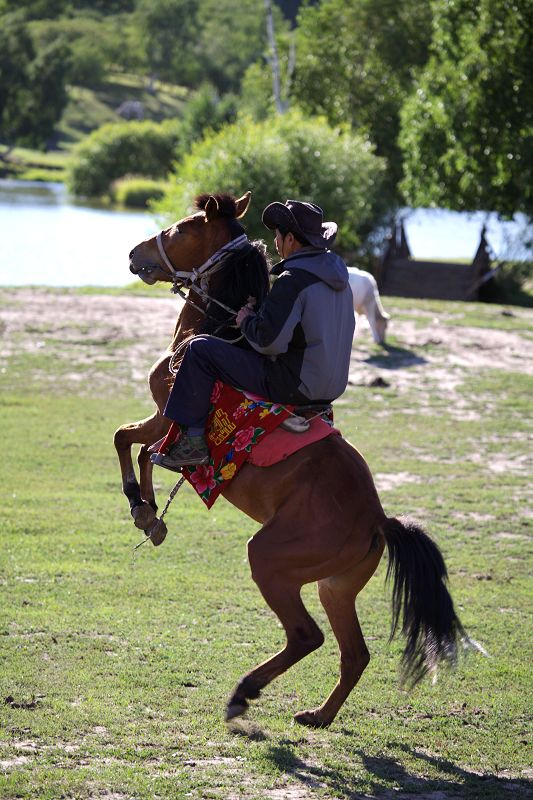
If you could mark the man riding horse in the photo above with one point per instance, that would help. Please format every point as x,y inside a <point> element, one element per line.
<point>300,337</point>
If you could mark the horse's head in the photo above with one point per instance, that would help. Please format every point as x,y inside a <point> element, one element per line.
<point>189,243</point>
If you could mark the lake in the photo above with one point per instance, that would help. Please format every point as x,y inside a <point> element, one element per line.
<point>49,239</point>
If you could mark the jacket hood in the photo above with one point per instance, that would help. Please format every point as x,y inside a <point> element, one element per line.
<point>325,264</point>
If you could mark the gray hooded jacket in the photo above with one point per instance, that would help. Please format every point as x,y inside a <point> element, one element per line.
<point>306,326</point>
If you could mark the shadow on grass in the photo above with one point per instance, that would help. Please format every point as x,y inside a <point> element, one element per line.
<point>382,771</point>
<point>395,358</point>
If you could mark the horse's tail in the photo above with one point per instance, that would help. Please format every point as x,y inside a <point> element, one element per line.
<point>421,602</point>
<point>379,306</point>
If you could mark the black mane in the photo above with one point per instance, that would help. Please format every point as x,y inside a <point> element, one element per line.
<point>244,275</point>
<point>227,204</point>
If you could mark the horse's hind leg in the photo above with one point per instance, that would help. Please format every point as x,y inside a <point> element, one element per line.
<point>337,595</point>
<point>303,635</point>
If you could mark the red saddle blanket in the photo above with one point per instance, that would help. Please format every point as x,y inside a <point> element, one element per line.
<point>243,427</point>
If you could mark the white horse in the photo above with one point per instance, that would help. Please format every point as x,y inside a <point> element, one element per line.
<point>366,300</point>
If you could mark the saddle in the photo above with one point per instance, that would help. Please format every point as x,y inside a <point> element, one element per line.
<point>243,427</point>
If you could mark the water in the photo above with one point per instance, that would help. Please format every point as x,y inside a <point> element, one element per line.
<point>450,235</point>
<point>49,239</point>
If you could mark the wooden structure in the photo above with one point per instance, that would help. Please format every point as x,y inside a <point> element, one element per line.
<point>400,275</point>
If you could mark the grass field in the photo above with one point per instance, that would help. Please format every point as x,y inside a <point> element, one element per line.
<point>115,667</point>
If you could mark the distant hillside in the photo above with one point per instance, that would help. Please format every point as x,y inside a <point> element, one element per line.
<point>88,109</point>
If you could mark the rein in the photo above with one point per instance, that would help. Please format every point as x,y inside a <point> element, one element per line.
<point>198,279</point>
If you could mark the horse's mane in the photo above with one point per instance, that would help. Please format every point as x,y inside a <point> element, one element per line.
<point>244,275</point>
<point>227,204</point>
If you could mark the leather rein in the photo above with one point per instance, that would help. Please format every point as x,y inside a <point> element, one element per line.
<point>198,279</point>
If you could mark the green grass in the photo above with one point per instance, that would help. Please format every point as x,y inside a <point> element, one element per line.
<point>32,165</point>
<point>118,665</point>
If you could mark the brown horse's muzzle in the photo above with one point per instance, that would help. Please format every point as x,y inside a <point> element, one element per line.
<point>144,273</point>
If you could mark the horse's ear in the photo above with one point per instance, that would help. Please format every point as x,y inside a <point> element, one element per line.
<point>211,208</point>
<point>241,205</point>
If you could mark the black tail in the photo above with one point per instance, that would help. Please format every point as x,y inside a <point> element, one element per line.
<point>421,598</point>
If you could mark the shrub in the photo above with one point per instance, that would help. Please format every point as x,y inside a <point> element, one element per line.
<point>120,149</point>
<point>206,111</point>
<point>284,157</point>
<point>137,192</point>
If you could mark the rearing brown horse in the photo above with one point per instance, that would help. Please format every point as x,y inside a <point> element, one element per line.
<point>320,515</point>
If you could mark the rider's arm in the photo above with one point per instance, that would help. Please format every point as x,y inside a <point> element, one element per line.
<point>270,330</point>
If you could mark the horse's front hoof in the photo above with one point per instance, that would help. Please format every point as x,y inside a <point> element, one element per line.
<point>158,532</point>
<point>311,719</point>
<point>236,710</point>
<point>143,516</point>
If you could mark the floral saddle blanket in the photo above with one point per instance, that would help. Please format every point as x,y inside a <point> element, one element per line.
<point>243,427</point>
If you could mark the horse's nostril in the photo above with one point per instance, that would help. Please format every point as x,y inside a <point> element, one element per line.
<point>131,253</point>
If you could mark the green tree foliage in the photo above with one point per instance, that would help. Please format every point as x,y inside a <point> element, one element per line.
<point>354,64</point>
<point>35,9</point>
<point>206,110</point>
<point>53,9</point>
<point>467,130</point>
<point>282,157</point>
<point>119,149</point>
<point>232,35</point>
<point>167,32</point>
<point>87,64</point>
<point>32,85</point>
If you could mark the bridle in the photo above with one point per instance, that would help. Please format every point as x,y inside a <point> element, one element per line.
<point>198,279</point>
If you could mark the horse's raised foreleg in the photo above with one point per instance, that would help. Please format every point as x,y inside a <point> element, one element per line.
<point>140,496</point>
<point>337,595</point>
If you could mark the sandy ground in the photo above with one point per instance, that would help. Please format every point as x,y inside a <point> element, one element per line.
<point>132,331</point>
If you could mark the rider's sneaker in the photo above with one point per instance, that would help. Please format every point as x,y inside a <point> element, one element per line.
<point>186,452</point>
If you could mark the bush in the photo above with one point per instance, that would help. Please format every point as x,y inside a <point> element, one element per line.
<point>137,192</point>
<point>285,157</point>
<point>206,110</point>
<point>120,149</point>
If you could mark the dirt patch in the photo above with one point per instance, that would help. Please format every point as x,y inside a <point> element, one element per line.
<point>435,356</point>
<point>86,332</point>
<point>390,480</point>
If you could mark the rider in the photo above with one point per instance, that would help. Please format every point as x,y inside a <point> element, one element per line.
<point>301,335</point>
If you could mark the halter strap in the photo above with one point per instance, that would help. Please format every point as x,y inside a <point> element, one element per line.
<point>162,253</point>
<point>205,270</point>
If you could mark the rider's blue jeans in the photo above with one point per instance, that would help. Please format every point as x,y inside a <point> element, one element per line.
<point>206,359</point>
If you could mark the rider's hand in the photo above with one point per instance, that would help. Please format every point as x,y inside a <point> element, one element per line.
<point>245,311</point>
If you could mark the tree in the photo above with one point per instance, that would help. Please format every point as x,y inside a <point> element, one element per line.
<point>286,156</point>
<point>467,129</point>
<point>167,31</point>
<point>120,149</point>
<point>32,85</point>
<point>354,63</point>
<point>231,36</point>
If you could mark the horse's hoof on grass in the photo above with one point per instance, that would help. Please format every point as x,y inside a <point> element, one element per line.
<point>143,516</point>
<point>236,710</point>
<point>310,719</point>
<point>158,532</point>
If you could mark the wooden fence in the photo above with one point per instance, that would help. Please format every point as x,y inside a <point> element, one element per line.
<point>400,275</point>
